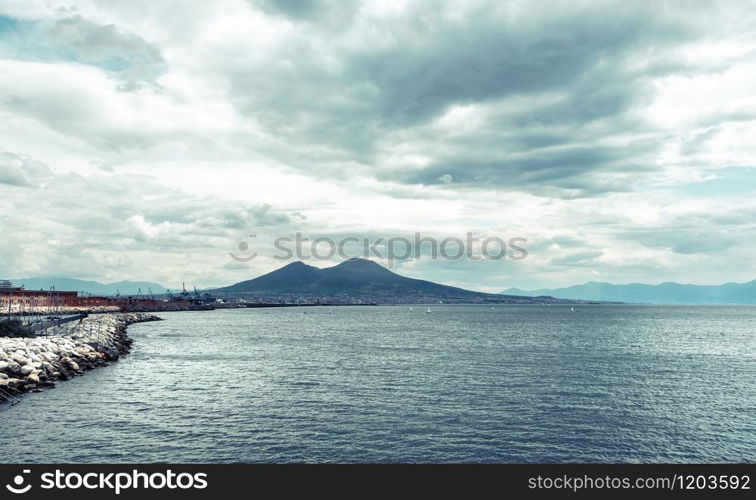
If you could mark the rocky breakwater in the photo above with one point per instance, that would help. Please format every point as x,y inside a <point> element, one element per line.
<point>31,364</point>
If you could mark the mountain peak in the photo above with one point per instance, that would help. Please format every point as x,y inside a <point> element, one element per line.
<point>358,264</point>
<point>296,264</point>
<point>358,261</point>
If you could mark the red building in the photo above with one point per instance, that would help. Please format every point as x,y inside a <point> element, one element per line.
<point>21,299</point>
<point>18,300</point>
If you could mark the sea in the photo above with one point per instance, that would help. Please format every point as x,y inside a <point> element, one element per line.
<point>435,384</point>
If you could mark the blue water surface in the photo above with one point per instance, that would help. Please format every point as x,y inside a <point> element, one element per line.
<point>384,384</point>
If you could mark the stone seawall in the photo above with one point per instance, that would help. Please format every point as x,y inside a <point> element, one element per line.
<point>32,364</point>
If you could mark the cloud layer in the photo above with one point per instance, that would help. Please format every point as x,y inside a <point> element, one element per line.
<point>152,138</point>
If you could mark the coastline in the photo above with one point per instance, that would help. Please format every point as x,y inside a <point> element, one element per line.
<point>33,364</point>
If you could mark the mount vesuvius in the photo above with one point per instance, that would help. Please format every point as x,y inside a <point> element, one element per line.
<point>361,280</point>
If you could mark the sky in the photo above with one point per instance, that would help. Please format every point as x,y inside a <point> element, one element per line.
<point>148,140</point>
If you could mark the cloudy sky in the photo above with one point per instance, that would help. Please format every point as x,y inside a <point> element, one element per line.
<point>146,140</point>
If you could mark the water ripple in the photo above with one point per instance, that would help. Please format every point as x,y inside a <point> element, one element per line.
<point>381,384</point>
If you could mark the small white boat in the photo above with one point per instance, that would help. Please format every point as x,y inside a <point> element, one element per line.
<point>411,309</point>
<point>428,311</point>
<point>572,308</point>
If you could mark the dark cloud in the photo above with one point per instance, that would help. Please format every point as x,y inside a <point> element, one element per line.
<point>22,171</point>
<point>684,240</point>
<point>130,59</point>
<point>488,56</point>
<point>311,11</point>
<point>569,171</point>
<point>295,9</point>
<point>13,176</point>
<point>584,70</point>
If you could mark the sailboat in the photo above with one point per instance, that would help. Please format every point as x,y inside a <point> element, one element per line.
<point>428,311</point>
<point>572,308</point>
<point>411,309</point>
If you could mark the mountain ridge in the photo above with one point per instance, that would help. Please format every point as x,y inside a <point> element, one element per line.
<point>125,287</point>
<point>668,292</point>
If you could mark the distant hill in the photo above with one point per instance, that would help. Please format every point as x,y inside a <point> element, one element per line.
<point>359,279</point>
<point>93,287</point>
<point>664,293</point>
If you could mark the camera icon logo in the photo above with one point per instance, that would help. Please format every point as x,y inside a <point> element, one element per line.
<point>243,247</point>
<point>18,487</point>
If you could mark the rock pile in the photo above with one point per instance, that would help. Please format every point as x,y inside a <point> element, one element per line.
<point>31,364</point>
